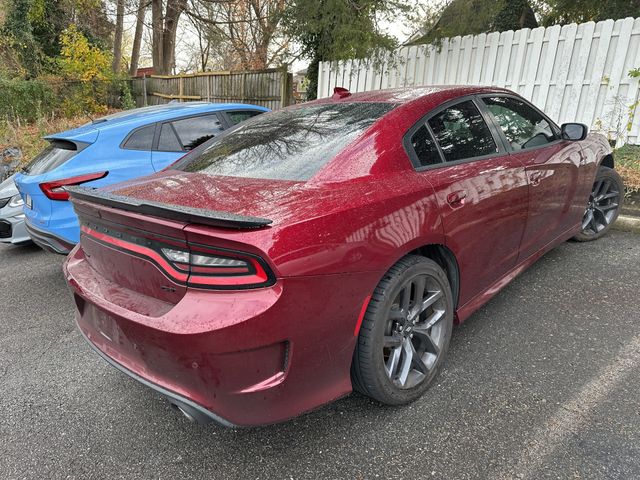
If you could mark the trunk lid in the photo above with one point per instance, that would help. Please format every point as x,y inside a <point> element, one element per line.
<point>123,248</point>
<point>130,232</point>
<point>274,200</point>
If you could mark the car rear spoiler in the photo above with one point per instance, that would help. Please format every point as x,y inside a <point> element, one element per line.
<point>165,210</point>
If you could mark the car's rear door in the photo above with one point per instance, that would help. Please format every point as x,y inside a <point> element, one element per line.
<point>556,201</point>
<point>176,137</point>
<point>481,191</point>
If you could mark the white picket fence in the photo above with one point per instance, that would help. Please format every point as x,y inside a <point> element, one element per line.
<point>574,72</point>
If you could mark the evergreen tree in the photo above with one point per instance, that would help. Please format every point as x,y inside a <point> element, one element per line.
<point>337,30</point>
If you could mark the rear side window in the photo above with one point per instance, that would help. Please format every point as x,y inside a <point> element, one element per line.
<point>462,133</point>
<point>425,147</point>
<point>523,126</point>
<point>290,144</point>
<point>57,153</point>
<point>141,139</point>
<point>196,130</point>
<point>242,115</point>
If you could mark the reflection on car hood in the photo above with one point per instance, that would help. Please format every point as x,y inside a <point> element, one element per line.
<point>8,188</point>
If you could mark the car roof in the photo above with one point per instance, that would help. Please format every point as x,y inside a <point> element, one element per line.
<point>129,119</point>
<point>409,94</point>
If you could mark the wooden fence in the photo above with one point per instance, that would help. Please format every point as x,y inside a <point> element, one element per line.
<point>272,88</point>
<point>574,72</point>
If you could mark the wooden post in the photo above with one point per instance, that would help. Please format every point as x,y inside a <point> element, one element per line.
<point>286,86</point>
<point>144,89</point>
<point>243,88</point>
<point>208,80</point>
<point>180,87</point>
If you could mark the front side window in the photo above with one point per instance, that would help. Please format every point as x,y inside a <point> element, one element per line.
<point>462,133</point>
<point>196,130</point>
<point>523,126</point>
<point>290,144</point>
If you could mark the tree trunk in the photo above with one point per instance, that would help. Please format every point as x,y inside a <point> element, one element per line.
<point>174,10</point>
<point>117,38</point>
<point>157,26</point>
<point>137,38</point>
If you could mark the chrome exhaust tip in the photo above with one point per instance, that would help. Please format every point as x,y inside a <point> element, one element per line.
<point>186,414</point>
<point>183,411</point>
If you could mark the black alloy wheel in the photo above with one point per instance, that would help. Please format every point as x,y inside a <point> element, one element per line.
<point>603,205</point>
<point>405,333</point>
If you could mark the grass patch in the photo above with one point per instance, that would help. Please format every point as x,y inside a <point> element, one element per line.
<point>627,159</point>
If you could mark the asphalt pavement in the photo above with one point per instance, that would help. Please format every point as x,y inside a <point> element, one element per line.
<point>542,382</point>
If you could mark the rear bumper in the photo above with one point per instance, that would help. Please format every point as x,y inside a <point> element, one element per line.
<point>239,358</point>
<point>47,240</point>
<point>196,412</point>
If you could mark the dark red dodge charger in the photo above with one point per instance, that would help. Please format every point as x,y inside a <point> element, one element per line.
<point>329,246</point>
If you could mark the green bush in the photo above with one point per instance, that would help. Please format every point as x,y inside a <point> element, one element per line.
<point>127,102</point>
<point>25,99</point>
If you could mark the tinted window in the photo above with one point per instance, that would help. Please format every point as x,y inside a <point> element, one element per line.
<point>425,148</point>
<point>523,126</point>
<point>290,144</point>
<point>168,141</point>
<point>462,133</point>
<point>57,153</point>
<point>141,139</point>
<point>242,115</point>
<point>196,130</point>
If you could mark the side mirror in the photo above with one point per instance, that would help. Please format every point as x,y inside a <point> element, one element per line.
<point>574,131</point>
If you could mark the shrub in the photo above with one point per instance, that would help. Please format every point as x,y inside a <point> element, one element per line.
<point>87,71</point>
<point>25,99</point>
<point>127,102</point>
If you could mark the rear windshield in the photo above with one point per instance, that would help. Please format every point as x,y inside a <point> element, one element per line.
<point>291,144</point>
<point>57,153</point>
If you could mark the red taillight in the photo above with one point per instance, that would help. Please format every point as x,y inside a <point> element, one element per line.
<point>196,266</point>
<point>55,191</point>
<point>218,269</point>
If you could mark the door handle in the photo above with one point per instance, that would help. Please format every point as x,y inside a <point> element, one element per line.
<point>456,199</point>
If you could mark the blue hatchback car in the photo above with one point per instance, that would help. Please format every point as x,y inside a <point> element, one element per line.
<point>109,150</point>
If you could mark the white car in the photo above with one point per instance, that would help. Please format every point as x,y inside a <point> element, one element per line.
<point>12,229</point>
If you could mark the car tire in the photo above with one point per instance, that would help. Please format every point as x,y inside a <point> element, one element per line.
<point>603,206</point>
<point>401,347</point>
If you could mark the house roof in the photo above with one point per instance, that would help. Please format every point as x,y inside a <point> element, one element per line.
<point>472,17</point>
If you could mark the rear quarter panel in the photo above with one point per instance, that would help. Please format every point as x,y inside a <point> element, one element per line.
<point>359,227</point>
<point>106,156</point>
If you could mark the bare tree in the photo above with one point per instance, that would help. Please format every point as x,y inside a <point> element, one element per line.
<point>174,9</point>
<point>248,28</point>
<point>137,38</point>
<point>157,25</point>
<point>117,38</point>
<point>207,33</point>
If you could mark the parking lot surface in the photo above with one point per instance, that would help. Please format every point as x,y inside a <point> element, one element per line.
<point>542,382</point>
